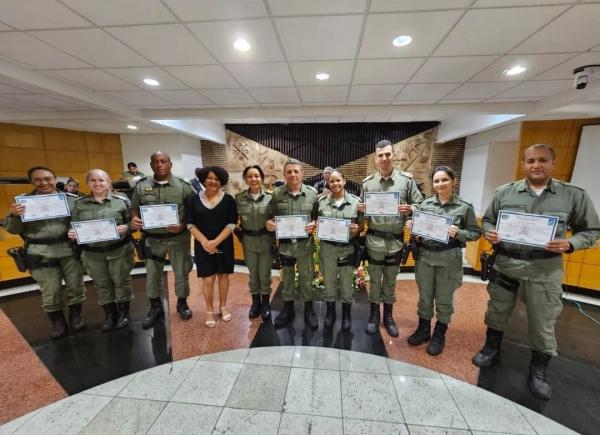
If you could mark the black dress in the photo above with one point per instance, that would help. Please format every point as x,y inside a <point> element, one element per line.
<point>211,222</point>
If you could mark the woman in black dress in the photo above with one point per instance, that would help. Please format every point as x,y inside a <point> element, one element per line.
<point>212,217</point>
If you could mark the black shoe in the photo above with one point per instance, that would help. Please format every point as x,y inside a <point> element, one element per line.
<point>255,307</point>
<point>110,316</point>
<point>491,349</point>
<point>182,308</point>
<point>310,318</point>
<point>265,307</point>
<point>538,375</point>
<point>422,334</point>
<point>438,339</point>
<point>156,312</point>
<point>59,324</point>
<point>388,320</point>
<point>286,315</point>
<point>75,320</point>
<point>346,319</point>
<point>330,316</point>
<point>123,314</point>
<point>373,322</point>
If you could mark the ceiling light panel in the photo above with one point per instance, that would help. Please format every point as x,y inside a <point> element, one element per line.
<point>275,95</point>
<point>95,79</point>
<point>261,75</point>
<point>340,72</point>
<point>316,7</point>
<point>385,71</point>
<point>324,94</point>
<point>451,69</point>
<point>417,5</point>
<point>534,64</point>
<point>374,93</point>
<point>28,50</point>
<point>135,76</point>
<point>540,88</point>
<point>121,12</point>
<point>479,90</point>
<point>204,10</point>
<point>228,96</point>
<point>204,77</point>
<point>25,14</point>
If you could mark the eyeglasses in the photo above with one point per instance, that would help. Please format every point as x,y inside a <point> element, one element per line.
<point>42,180</point>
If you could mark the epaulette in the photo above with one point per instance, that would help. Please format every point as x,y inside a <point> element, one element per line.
<point>407,174</point>
<point>466,202</point>
<point>370,177</point>
<point>512,183</point>
<point>321,197</point>
<point>312,188</point>
<point>121,196</point>
<point>181,179</point>
<point>81,197</point>
<point>270,192</point>
<point>567,184</point>
<point>351,195</point>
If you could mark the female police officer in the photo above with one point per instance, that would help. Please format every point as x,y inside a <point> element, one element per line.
<point>108,263</point>
<point>254,209</point>
<point>438,269</point>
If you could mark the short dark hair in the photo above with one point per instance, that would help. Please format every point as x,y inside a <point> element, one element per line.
<point>220,173</point>
<point>130,164</point>
<point>543,146</point>
<point>383,143</point>
<point>39,168</point>
<point>447,169</point>
<point>339,172</point>
<point>257,167</point>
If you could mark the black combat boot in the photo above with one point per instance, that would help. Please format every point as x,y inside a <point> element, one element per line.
<point>330,316</point>
<point>123,314</point>
<point>255,307</point>
<point>286,315</point>
<point>110,316</point>
<point>182,308</point>
<point>422,334</point>
<point>59,324</point>
<point>438,339</point>
<point>538,375</point>
<point>388,320</point>
<point>75,320</point>
<point>265,307</point>
<point>373,322</point>
<point>491,349</point>
<point>346,319</point>
<point>310,318</point>
<point>156,312</point>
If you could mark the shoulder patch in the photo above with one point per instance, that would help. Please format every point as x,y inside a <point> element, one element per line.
<point>407,174</point>
<point>370,177</point>
<point>567,184</point>
<point>121,196</point>
<point>504,186</point>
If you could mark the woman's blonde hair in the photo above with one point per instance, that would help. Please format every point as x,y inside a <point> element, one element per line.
<point>102,172</point>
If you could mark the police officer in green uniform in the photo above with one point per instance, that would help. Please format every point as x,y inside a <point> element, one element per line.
<point>535,275</point>
<point>50,256</point>
<point>295,198</point>
<point>385,235</point>
<point>254,209</point>
<point>164,188</point>
<point>337,258</point>
<point>439,265</point>
<point>132,171</point>
<point>108,263</point>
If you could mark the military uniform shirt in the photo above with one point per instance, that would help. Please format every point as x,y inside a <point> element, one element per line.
<point>253,214</point>
<point>346,210</point>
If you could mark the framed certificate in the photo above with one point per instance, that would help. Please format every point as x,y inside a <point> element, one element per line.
<point>99,230</point>
<point>431,226</point>
<point>333,229</point>
<point>525,228</point>
<point>291,227</point>
<point>382,203</point>
<point>159,215</point>
<point>39,207</point>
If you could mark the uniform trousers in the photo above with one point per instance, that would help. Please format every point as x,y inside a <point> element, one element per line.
<point>178,249</point>
<point>50,282</point>
<point>330,255</point>
<point>383,278</point>
<point>111,272</point>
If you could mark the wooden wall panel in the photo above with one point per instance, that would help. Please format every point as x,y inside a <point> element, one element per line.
<point>64,140</point>
<point>20,160</point>
<point>67,162</point>
<point>93,142</point>
<point>111,143</point>
<point>20,136</point>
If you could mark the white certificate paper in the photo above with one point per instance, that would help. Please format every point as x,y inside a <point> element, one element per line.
<point>382,203</point>
<point>100,230</point>
<point>525,228</point>
<point>159,215</point>
<point>38,207</point>
<point>431,226</point>
<point>333,229</point>
<point>291,227</point>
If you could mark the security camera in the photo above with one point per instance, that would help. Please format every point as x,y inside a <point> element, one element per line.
<point>585,74</point>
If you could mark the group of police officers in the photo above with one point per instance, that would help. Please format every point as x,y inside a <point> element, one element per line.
<point>533,275</point>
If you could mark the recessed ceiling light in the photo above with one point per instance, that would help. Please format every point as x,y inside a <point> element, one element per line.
<point>322,76</point>
<point>151,82</point>
<point>517,69</point>
<point>132,127</point>
<point>402,41</point>
<point>242,45</point>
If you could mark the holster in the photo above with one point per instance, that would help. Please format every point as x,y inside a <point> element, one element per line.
<point>76,248</point>
<point>360,250</point>
<point>239,233</point>
<point>389,260</point>
<point>286,261</point>
<point>139,245</point>
<point>504,281</point>
<point>487,264</point>
<point>39,262</point>
<point>19,256</point>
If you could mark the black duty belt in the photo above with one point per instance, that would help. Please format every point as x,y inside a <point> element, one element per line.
<point>385,235</point>
<point>46,240</point>
<point>160,235</point>
<point>441,247</point>
<point>527,255</point>
<point>256,233</point>
<point>336,243</point>
<point>107,248</point>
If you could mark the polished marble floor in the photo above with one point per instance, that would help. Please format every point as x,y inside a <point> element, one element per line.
<point>285,390</point>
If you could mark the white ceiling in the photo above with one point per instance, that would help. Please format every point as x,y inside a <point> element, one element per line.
<point>80,63</point>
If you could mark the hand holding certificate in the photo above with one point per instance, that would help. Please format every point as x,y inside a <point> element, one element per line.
<point>100,230</point>
<point>291,227</point>
<point>333,230</point>
<point>431,226</point>
<point>381,203</point>
<point>159,216</point>
<point>38,207</point>
<point>525,228</point>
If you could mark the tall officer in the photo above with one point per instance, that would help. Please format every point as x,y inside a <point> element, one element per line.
<point>295,198</point>
<point>385,235</point>
<point>164,188</point>
<point>535,275</point>
<point>50,255</point>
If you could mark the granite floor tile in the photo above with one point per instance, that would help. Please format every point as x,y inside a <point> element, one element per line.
<point>426,401</point>
<point>234,356</point>
<point>186,418</point>
<point>544,425</point>
<point>260,387</point>
<point>111,388</point>
<point>246,421</point>
<point>272,356</point>
<point>431,430</point>
<point>125,416</point>
<point>368,427</point>
<point>316,358</point>
<point>401,368</point>
<point>362,362</point>
<point>314,392</point>
<point>297,424</point>
<point>13,425</point>
<point>370,396</point>
<point>208,383</point>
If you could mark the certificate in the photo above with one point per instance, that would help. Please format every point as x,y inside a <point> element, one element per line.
<point>93,231</point>
<point>333,229</point>
<point>291,227</point>
<point>381,203</point>
<point>38,207</point>
<point>159,216</point>
<point>525,228</point>
<point>431,226</point>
